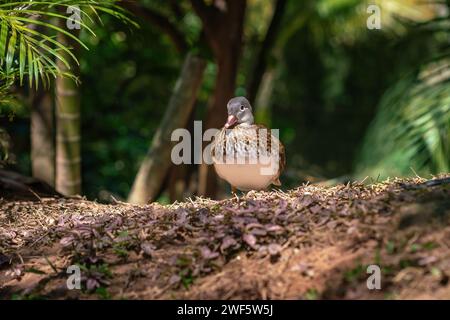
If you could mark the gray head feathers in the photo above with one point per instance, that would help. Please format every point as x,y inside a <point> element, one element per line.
<point>239,112</point>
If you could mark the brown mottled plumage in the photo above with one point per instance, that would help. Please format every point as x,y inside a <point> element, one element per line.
<point>247,155</point>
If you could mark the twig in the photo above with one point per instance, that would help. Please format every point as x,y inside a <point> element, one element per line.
<point>51,265</point>
<point>35,194</point>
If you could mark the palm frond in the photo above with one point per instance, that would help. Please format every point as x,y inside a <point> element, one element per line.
<point>412,128</point>
<point>26,50</point>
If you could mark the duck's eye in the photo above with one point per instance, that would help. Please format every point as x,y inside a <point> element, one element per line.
<point>242,108</point>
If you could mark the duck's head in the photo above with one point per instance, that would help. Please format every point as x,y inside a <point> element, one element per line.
<point>239,112</point>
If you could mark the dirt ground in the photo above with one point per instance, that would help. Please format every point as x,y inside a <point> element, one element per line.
<point>312,242</point>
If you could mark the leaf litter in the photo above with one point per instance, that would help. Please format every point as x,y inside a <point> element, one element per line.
<point>277,244</point>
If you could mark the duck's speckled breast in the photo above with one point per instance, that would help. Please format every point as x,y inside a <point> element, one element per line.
<point>248,157</point>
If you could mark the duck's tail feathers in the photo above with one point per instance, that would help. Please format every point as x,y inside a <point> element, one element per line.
<point>277,182</point>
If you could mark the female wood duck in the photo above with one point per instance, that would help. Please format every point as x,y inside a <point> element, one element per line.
<point>245,154</point>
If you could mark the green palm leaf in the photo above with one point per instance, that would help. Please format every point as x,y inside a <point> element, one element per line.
<point>411,129</point>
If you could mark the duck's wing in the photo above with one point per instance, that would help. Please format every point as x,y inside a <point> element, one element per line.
<point>281,151</point>
<point>218,145</point>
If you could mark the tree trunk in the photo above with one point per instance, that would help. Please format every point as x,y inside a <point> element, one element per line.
<point>177,182</point>
<point>179,179</point>
<point>42,137</point>
<point>157,162</point>
<point>216,117</point>
<point>223,30</point>
<point>68,135</point>
<point>42,130</point>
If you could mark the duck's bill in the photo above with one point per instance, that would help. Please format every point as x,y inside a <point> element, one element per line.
<point>231,121</point>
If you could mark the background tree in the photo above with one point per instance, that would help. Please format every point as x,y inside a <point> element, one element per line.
<point>42,136</point>
<point>42,131</point>
<point>156,167</point>
<point>68,135</point>
<point>156,164</point>
<point>223,22</point>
